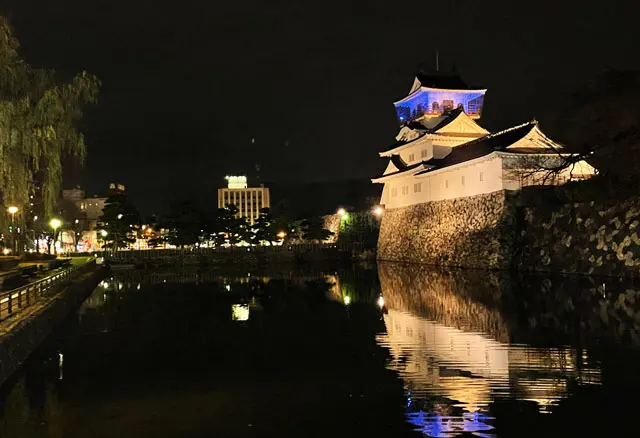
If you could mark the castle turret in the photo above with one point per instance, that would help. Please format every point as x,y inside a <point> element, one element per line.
<point>435,93</point>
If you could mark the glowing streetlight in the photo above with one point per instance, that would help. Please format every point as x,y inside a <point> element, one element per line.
<point>282,234</point>
<point>55,224</point>
<point>120,216</point>
<point>103,233</point>
<point>342,212</point>
<point>13,210</point>
<point>378,211</point>
<point>347,300</point>
<point>380,302</point>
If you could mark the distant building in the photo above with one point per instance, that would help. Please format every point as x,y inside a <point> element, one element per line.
<point>116,189</point>
<point>73,195</point>
<point>249,200</point>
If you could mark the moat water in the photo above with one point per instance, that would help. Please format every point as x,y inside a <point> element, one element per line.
<point>387,350</point>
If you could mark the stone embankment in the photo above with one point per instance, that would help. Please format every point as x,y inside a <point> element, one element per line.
<point>21,334</point>
<point>473,232</point>
<point>492,231</point>
<point>586,238</point>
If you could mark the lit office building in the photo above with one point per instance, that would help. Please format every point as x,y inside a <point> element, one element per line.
<point>249,200</point>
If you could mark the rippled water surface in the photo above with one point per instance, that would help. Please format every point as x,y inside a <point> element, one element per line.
<point>387,351</point>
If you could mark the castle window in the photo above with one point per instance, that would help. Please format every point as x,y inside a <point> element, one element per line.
<point>405,190</point>
<point>417,187</point>
<point>394,192</point>
<point>446,183</point>
<point>481,176</point>
<point>447,104</point>
<point>463,180</point>
<point>411,157</point>
<point>424,153</point>
<point>435,107</point>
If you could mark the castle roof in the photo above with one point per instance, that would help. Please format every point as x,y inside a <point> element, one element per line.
<point>521,139</point>
<point>441,80</point>
<point>415,130</point>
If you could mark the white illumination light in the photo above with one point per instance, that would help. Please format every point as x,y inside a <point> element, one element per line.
<point>378,211</point>
<point>380,302</point>
<point>236,182</point>
<point>347,300</point>
<point>342,212</point>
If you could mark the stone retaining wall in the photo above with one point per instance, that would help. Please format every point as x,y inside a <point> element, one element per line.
<point>25,335</point>
<point>474,232</point>
<point>583,238</point>
<point>490,231</point>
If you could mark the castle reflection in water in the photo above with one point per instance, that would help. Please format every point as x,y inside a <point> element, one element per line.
<point>451,345</point>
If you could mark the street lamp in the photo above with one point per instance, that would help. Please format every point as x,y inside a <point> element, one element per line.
<point>13,210</point>
<point>378,211</point>
<point>342,212</point>
<point>55,224</point>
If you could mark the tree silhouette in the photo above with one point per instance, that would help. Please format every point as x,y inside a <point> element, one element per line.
<point>120,220</point>
<point>313,229</point>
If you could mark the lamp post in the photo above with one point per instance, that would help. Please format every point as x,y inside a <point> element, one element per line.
<point>55,224</point>
<point>13,210</point>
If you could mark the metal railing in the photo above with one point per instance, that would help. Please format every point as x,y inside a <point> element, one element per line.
<point>14,301</point>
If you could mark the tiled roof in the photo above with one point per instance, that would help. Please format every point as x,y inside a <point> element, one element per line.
<point>484,146</point>
<point>447,118</point>
<point>444,80</point>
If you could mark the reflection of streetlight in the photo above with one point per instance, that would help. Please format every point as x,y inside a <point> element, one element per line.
<point>13,210</point>
<point>55,224</point>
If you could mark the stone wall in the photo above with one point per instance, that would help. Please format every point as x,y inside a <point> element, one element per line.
<point>473,232</point>
<point>491,231</point>
<point>588,238</point>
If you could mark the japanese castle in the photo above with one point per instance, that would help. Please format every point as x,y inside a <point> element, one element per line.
<point>441,152</point>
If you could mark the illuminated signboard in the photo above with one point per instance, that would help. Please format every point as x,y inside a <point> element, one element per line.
<point>236,182</point>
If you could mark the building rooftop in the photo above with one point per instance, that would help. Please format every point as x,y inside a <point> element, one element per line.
<point>499,141</point>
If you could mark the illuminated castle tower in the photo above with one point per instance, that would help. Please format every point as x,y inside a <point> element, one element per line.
<point>441,152</point>
<point>435,93</point>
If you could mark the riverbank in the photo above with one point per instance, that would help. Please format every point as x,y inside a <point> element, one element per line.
<point>23,332</point>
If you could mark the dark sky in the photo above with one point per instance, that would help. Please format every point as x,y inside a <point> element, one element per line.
<point>187,84</point>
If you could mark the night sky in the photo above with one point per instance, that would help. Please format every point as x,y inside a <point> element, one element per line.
<point>188,84</point>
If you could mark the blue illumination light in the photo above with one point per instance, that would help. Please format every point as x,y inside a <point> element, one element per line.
<point>435,102</point>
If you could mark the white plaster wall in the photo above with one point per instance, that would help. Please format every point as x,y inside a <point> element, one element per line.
<point>446,183</point>
<point>416,149</point>
<point>513,178</point>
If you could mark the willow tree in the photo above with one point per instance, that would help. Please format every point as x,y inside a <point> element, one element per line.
<point>39,118</point>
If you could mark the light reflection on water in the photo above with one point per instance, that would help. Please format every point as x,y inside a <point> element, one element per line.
<point>451,346</point>
<point>457,344</point>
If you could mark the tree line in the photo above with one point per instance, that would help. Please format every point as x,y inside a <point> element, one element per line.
<point>184,224</point>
